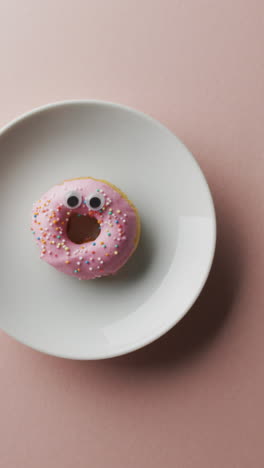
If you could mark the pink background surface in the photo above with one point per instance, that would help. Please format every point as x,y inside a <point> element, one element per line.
<point>194,399</point>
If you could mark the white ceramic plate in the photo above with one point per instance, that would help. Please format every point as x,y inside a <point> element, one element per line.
<point>110,316</point>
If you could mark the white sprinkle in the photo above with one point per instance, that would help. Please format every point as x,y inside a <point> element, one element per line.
<point>78,263</point>
<point>80,258</point>
<point>99,258</point>
<point>90,268</point>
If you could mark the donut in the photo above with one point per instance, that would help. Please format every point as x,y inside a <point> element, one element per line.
<point>85,227</point>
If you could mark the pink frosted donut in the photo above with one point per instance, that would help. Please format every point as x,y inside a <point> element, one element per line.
<point>85,228</point>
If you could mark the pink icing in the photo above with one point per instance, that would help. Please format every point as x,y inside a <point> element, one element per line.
<point>103,256</point>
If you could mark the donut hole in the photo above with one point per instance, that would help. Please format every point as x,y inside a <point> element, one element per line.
<point>81,229</point>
